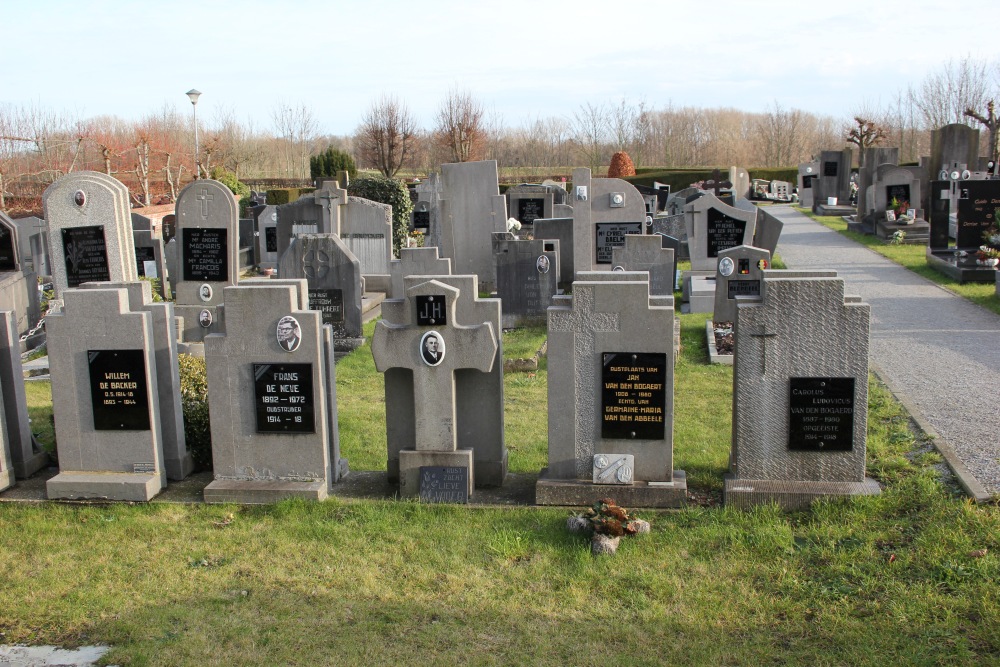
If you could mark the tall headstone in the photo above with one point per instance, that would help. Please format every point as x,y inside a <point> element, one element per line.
<point>738,274</point>
<point>647,253</point>
<point>527,278</point>
<point>26,458</point>
<point>871,159</point>
<point>712,227</point>
<point>366,229</point>
<point>834,180</point>
<point>90,230</point>
<point>954,143</point>
<point>611,403</point>
<point>149,259</point>
<point>104,398</point>
<point>267,237</point>
<point>272,398</point>
<point>740,178</point>
<point>767,231</point>
<point>207,254</point>
<point>333,275</point>
<point>808,173</point>
<point>561,230</point>
<point>800,393</point>
<point>429,338</point>
<point>318,212</point>
<point>415,262</point>
<point>605,211</point>
<point>18,280</point>
<point>427,211</point>
<point>472,209</point>
<point>528,202</point>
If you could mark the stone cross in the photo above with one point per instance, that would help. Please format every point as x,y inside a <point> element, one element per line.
<point>464,347</point>
<point>205,198</point>
<point>330,198</point>
<point>763,336</point>
<point>715,184</point>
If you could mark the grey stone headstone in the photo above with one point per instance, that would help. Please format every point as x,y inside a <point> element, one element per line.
<point>472,209</point>
<point>429,206</point>
<point>768,231</point>
<point>478,395</point>
<point>808,173</point>
<point>527,202</point>
<point>890,181</point>
<point>18,280</point>
<point>953,143</point>
<point>604,211</point>
<point>712,227</point>
<point>561,230</point>
<point>740,178</point>
<point>834,178</point>
<point>871,158</point>
<point>273,410</point>
<point>267,237</point>
<point>149,248</point>
<point>527,278</point>
<point>90,230</point>
<point>33,237</point>
<point>318,212</point>
<point>26,461</point>
<point>415,262</point>
<point>646,253</point>
<point>800,393</point>
<point>333,275</point>
<point>104,398</point>
<point>366,228</point>
<point>738,274</point>
<point>674,226</point>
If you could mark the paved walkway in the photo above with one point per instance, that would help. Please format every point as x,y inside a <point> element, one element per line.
<point>939,353</point>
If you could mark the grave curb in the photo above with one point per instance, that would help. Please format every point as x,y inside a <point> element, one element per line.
<point>713,353</point>
<point>966,479</point>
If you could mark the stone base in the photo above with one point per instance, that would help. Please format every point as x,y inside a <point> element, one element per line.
<point>344,346</point>
<point>790,495</point>
<point>25,469</point>
<point>686,277</point>
<point>135,487</point>
<point>702,295</point>
<point>6,479</point>
<point>178,469</point>
<point>917,232</point>
<point>410,461</point>
<point>964,270</point>
<point>262,492</point>
<point>713,353</point>
<point>491,474</point>
<point>997,278</point>
<point>577,492</point>
<point>836,210</point>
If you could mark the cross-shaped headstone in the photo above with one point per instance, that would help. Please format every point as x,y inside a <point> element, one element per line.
<point>330,198</point>
<point>716,184</point>
<point>461,347</point>
<point>204,198</point>
<point>584,321</point>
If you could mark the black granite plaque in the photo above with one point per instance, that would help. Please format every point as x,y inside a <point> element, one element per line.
<point>206,254</point>
<point>743,288</point>
<point>421,219</point>
<point>439,484</point>
<point>431,310</point>
<point>529,209</point>
<point>939,214</point>
<point>143,255</point>
<point>329,302</point>
<point>284,398</point>
<point>807,181</point>
<point>633,395</point>
<point>612,235</point>
<point>978,202</point>
<point>830,168</point>
<point>8,256</point>
<point>271,239</point>
<point>118,390</point>
<point>899,192</point>
<point>86,255</point>
<point>821,414</point>
<point>723,232</point>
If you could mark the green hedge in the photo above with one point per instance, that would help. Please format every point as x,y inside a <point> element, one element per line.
<point>280,196</point>
<point>194,404</point>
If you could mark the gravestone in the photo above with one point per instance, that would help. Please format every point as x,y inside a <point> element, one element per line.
<point>33,239</point>
<point>90,230</point>
<point>900,185</point>
<point>767,231</point>
<point>207,255</point>
<point>978,204</point>
<point>956,143</point>
<point>740,178</point>
<point>427,210</point>
<point>675,227</point>
<point>104,391</point>
<point>149,259</point>
<point>333,275</point>
<point>26,458</point>
<point>415,262</point>
<point>605,211</point>
<point>18,281</point>
<point>808,173</point>
<point>871,159</point>
<point>647,253</point>
<point>738,274</point>
<point>528,202</point>
<point>527,278</point>
<point>611,393</point>
<point>834,180</point>
<point>272,398</point>
<point>471,210</point>
<point>655,198</point>
<point>712,226</point>
<point>177,460</point>
<point>438,363</point>
<point>561,230</point>
<point>800,393</point>
<point>318,212</point>
<point>267,237</point>
<point>366,229</point>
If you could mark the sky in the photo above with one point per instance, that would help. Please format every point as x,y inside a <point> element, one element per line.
<point>523,60</point>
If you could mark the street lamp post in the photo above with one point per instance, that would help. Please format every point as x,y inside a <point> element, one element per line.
<point>193,96</point>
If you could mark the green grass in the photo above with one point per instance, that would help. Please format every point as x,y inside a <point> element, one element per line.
<point>859,581</point>
<point>913,257</point>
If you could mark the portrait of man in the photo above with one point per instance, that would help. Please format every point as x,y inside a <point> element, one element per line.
<point>432,348</point>
<point>205,318</point>
<point>205,292</point>
<point>542,264</point>
<point>289,333</point>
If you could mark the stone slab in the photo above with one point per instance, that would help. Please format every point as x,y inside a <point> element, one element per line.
<point>257,492</point>
<point>638,494</point>
<point>127,486</point>
<point>713,352</point>
<point>411,460</point>
<point>791,495</point>
<point>702,294</point>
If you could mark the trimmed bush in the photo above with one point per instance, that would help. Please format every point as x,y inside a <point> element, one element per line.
<point>229,179</point>
<point>194,404</point>
<point>330,161</point>
<point>389,191</point>
<point>621,166</point>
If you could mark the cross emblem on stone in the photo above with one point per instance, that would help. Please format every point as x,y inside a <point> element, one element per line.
<point>204,198</point>
<point>715,184</point>
<point>465,347</point>
<point>763,335</point>
<point>325,198</point>
<point>315,263</point>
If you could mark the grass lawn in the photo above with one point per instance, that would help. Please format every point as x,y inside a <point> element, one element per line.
<point>897,578</point>
<point>913,257</point>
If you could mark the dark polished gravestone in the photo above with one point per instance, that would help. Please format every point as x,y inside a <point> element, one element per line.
<point>611,235</point>
<point>977,208</point>
<point>821,414</point>
<point>633,387</point>
<point>527,278</point>
<point>118,390</point>
<point>86,255</point>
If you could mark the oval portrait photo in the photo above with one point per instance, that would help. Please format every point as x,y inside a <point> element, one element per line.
<point>289,333</point>
<point>205,292</point>
<point>432,348</point>
<point>205,318</point>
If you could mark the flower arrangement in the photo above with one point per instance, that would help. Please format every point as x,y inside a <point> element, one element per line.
<point>991,236</point>
<point>513,225</point>
<point>987,256</point>
<point>898,237</point>
<point>607,523</point>
<point>900,207</point>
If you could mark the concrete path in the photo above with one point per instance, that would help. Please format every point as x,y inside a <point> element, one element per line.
<point>939,353</point>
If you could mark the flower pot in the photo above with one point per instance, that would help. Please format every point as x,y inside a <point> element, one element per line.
<point>991,262</point>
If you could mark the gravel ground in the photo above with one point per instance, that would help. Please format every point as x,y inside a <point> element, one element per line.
<point>938,352</point>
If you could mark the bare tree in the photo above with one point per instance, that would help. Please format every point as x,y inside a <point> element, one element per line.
<point>944,95</point>
<point>866,134</point>
<point>992,122</point>
<point>590,132</point>
<point>777,131</point>
<point>460,127</point>
<point>387,135</point>
<point>298,128</point>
